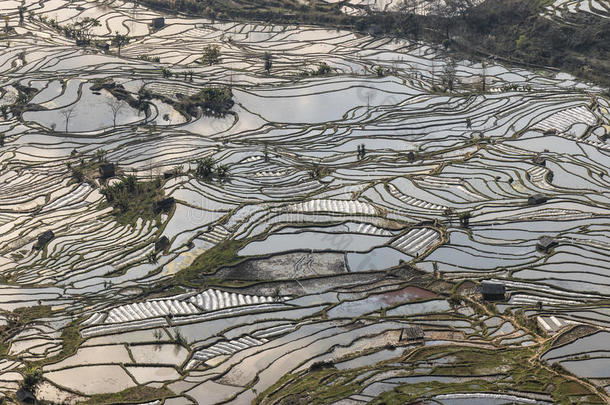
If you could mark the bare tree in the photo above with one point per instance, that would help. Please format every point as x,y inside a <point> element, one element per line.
<point>116,106</point>
<point>484,76</point>
<point>458,8</point>
<point>68,113</point>
<point>448,10</point>
<point>408,6</point>
<point>449,75</point>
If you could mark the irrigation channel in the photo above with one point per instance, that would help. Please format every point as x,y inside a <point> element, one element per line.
<point>361,211</point>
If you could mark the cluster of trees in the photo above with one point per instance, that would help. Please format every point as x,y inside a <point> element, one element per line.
<point>211,55</point>
<point>120,40</point>
<point>167,74</point>
<point>83,171</point>
<point>80,30</point>
<point>150,58</point>
<point>317,172</point>
<point>21,104</point>
<point>123,190</point>
<point>212,100</point>
<point>517,30</point>
<point>32,379</point>
<point>286,11</point>
<point>513,29</point>
<point>323,70</point>
<point>133,198</point>
<point>207,168</point>
<point>441,12</point>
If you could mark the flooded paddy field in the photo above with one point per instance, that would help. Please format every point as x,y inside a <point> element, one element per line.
<point>336,251</point>
<point>560,8</point>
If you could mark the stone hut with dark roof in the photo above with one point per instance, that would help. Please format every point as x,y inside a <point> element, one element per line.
<point>539,161</point>
<point>107,170</point>
<point>493,291</point>
<point>158,23</point>
<point>164,205</point>
<point>537,199</point>
<point>25,396</point>
<point>161,244</point>
<point>546,243</point>
<point>43,239</point>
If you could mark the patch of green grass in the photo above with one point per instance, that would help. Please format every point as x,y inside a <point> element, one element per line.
<point>321,386</point>
<point>517,369</point>
<point>71,340</point>
<point>28,314</point>
<point>130,395</point>
<point>132,199</point>
<point>410,392</point>
<point>223,254</point>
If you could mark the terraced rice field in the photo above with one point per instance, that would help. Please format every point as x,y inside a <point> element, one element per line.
<point>313,272</point>
<point>560,8</point>
<point>364,7</point>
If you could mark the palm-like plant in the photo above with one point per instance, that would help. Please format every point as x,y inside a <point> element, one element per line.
<point>222,171</point>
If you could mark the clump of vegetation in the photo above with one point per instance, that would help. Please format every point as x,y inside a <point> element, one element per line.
<point>268,58</point>
<point>139,394</point>
<point>527,322</point>
<point>86,170</point>
<point>465,218</point>
<point>223,254</point>
<point>148,58</point>
<point>157,334</point>
<point>21,104</point>
<point>166,73</point>
<point>32,379</point>
<point>211,55</point>
<point>449,76</point>
<point>323,70</point>
<point>132,199</point>
<point>317,172</point>
<point>152,258</point>
<point>188,75</point>
<point>212,100</point>
<point>207,168</point>
<point>120,40</point>
<point>80,31</point>
<point>180,340</point>
<point>321,365</point>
